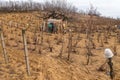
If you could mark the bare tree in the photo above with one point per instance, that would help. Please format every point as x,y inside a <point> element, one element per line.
<point>19,6</point>
<point>58,9</point>
<point>93,11</point>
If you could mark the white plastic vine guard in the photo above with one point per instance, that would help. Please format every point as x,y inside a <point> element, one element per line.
<point>108,53</point>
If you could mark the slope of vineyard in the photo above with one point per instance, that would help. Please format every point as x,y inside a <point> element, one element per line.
<point>46,65</point>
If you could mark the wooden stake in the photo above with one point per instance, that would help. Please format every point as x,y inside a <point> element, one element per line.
<point>61,50</point>
<point>41,34</point>
<point>70,44</point>
<point>26,52</point>
<point>35,38</point>
<point>3,46</point>
<point>112,75</point>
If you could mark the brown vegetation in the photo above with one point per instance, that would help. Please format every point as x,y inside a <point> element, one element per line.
<point>44,60</point>
<point>76,53</point>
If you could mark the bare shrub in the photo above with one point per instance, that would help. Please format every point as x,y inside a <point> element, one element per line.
<point>58,9</point>
<point>19,6</point>
<point>93,11</point>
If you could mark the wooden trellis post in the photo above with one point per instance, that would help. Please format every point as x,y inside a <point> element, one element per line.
<point>41,33</point>
<point>26,52</point>
<point>89,53</point>
<point>98,36</point>
<point>45,28</point>
<point>70,44</point>
<point>112,75</point>
<point>61,50</point>
<point>3,46</point>
<point>109,55</point>
<point>35,38</point>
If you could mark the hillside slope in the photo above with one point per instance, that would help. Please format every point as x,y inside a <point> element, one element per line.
<point>47,65</point>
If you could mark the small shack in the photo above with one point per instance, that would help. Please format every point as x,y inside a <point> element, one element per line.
<point>54,25</point>
<point>54,22</point>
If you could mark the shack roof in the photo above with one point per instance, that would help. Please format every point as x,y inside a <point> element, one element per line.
<point>54,20</point>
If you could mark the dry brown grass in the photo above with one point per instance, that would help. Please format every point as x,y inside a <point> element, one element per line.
<point>47,65</point>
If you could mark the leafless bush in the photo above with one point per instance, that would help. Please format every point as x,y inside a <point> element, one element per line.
<point>103,66</point>
<point>118,36</point>
<point>59,5</point>
<point>50,47</point>
<point>59,39</point>
<point>93,11</point>
<point>101,44</point>
<point>105,37</point>
<point>61,50</point>
<point>58,9</point>
<point>98,36</point>
<point>19,6</point>
<point>89,53</point>
<point>115,50</point>
<point>76,43</point>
